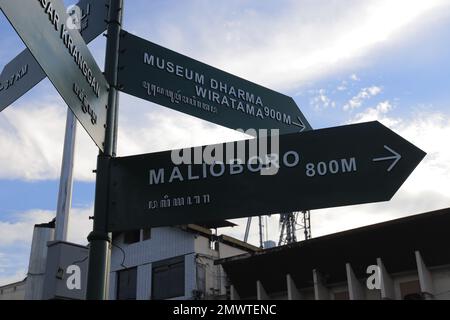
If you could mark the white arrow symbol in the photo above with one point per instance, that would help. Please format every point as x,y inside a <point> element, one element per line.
<point>396,157</point>
<point>301,125</point>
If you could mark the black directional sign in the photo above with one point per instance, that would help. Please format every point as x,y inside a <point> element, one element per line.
<point>332,167</point>
<point>19,76</point>
<point>44,27</point>
<point>23,72</point>
<point>165,77</point>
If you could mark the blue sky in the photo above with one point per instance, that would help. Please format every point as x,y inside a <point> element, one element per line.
<point>342,62</point>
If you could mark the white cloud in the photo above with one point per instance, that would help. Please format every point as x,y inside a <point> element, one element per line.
<point>20,229</point>
<point>300,43</point>
<point>377,113</point>
<point>30,139</point>
<point>384,106</point>
<point>428,131</point>
<point>294,42</point>
<point>406,202</point>
<point>16,236</point>
<point>426,188</point>
<point>321,100</point>
<point>345,84</point>
<point>364,94</point>
<point>17,275</point>
<point>158,128</point>
<point>33,134</point>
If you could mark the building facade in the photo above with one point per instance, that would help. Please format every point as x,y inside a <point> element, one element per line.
<point>13,291</point>
<point>400,259</point>
<point>171,263</point>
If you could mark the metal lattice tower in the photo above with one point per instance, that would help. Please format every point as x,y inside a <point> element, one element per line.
<point>289,225</point>
<point>263,230</point>
<point>288,221</point>
<point>306,224</point>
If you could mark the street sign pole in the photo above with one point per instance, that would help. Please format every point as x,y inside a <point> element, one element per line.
<point>99,238</point>
<point>66,179</point>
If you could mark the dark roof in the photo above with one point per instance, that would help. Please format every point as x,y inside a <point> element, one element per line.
<point>49,225</point>
<point>9,285</point>
<point>222,238</point>
<point>238,243</point>
<point>207,225</point>
<point>217,224</point>
<point>394,241</point>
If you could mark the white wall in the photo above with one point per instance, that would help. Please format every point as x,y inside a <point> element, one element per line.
<point>229,251</point>
<point>144,282</point>
<point>15,291</point>
<point>168,243</point>
<point>164,243</point>
<point>202,246</point>
<point>441,282</point>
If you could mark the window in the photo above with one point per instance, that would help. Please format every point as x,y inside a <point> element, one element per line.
<point>146,234</point>
<point>214,245</point>
<point>343,295</point>
<point>168,278</point>
<point>126,284</point>
<point>410,290</point>
<point>132,236</point>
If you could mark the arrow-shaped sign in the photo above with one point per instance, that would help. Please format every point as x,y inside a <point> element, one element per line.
<point>23,72</point>
<point>316,169</point>
<point>165,77</point>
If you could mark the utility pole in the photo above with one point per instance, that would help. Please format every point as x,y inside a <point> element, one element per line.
<point>99,238</point>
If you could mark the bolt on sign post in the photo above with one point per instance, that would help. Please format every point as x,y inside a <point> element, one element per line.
<point>165,77</point>
<point>324,168</point>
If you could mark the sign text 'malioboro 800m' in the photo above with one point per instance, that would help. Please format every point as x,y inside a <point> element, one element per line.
<point>173,80</point>
<point>324,168</point>
<point>23,72</point>
<point>65,59</point>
